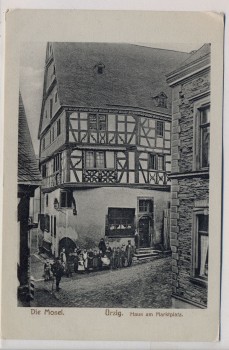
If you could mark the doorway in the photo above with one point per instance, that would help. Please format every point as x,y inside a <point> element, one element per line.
<point>67,244</point>
<point>146,221</point>
<point>144,227</point>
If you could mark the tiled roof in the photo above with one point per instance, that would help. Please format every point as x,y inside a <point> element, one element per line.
<point>28,172</point>
<point>202,52</point>
<point>132,75</point>
<point>196,55</point>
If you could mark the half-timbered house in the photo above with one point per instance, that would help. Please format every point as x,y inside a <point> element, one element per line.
<point>105,143</point>
<point>190,179</point>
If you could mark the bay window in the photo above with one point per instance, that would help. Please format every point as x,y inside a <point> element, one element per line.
<point>99,160</point>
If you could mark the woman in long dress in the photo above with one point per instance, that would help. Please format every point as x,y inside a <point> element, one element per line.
<point>85,259</point>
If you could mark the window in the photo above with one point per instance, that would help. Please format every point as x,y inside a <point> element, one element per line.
<point>56,163</point>
<point>58,127</point>
<point>47,223</point>
<point>43,143</point>
<point>44,170</point>
<point>54,226</point>
<point>120,222</point>
<point>160,163</point>
<point>41,219</point>
<point>156,162</point>
<point>161,100</point>
<point>99,68</point>
<point>51,225</point>
<point>152,161</point>
<point>46,114</point>
<point>201,159</point>
<point>56,97</point>
<point>50,108</point>
<point>102,122</point>
<point>97,122</point>
<point>200,244</point>
<point>99,160</point>
<point>145,205</point>
<point>47,200</point>
<point>160,129</point>
<point>95,159</point>
<point>66,199</point>
<point>92,121</point>
<point>204,136</point>
<point>53,133</point>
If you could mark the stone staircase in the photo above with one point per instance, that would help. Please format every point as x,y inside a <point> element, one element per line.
<point>146,253</point>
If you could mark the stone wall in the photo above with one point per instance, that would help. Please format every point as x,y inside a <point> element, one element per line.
<point>185,189</point>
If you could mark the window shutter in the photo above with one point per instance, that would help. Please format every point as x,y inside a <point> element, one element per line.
<point>41,218</point>
<point>69,199</point>
<point>106,226</point>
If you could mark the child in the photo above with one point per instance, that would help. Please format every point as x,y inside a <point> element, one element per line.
<point>85,259</point>
<point>81,267</point>
<point>47,270</point>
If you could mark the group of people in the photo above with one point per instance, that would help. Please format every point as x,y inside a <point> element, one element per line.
<point>83,260</point>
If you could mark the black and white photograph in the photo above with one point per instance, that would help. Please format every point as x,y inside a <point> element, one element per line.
<point>113,175</point>
<point>113,187</point>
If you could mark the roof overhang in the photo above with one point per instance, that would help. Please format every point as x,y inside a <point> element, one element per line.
<point>175,77</point>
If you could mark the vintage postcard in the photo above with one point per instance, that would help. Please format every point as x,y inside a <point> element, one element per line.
<point>112,175</point>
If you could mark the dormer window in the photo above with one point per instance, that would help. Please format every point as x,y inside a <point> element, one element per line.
<point>100,68</point>
<point>161,100</point>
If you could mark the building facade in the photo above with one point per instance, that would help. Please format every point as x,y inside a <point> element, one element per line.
<point>190,179</point>
<point>29,178</point>
<point>105,144</point>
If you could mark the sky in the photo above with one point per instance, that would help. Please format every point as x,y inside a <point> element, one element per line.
<point>32,62</point>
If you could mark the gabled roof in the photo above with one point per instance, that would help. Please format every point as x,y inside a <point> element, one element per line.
<point>28,172</point>
<point>198,59</point>
<point>196,55</point>
<point>132,74</point>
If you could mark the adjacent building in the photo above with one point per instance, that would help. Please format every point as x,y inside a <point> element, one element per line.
<point>105,145</point>
<point>29,178</point>
<point>190,85</point>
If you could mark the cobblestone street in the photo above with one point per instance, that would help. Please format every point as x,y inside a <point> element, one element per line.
<point>144,285</point>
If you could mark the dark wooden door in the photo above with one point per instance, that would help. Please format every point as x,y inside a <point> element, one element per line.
<point>144,231</point>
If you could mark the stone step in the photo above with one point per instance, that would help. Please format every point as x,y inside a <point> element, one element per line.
<point>148,250</point>
<point>145,255</point>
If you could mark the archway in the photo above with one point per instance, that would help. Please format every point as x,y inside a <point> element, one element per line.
<point>68,244</point>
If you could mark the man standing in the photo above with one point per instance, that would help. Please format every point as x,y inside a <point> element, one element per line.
<point>57,270</point>
<point>129,253</point>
